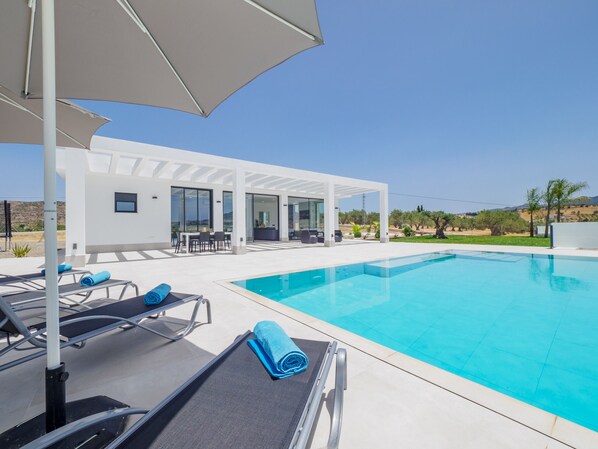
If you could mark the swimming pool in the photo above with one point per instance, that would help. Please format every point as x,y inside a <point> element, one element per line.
<point>525,325</point>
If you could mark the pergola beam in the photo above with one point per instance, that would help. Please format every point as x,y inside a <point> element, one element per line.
<point>139,164</point>
<point>262,182</point>
<point>219,174</point>
<point>201,174</point>
<point>251,179</point>
<point>114,163</point>
<point>182,171</point>
<point>161,168</point>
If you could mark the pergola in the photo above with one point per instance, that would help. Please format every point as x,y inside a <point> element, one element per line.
<point>118,158</point>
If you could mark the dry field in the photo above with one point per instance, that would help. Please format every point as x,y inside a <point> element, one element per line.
<point>569,213</point>
<point>34,239</point>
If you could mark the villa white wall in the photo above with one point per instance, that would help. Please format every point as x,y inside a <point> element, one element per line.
<point>217,208</point>
<point>75,167</point>
<point>575,235</point>
<point>107,230</point>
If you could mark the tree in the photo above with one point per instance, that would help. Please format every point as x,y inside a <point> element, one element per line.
<point>462,223</point>
<point>396,218</point>
<point>441,221</point>
<point>419,219</point>
<point>500,221</point>
<point>534,200</point>
<point>563,191</point>
<point>372,217</point>
<point>549,202</point>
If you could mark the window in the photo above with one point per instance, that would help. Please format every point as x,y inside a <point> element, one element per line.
<point>305,213</point>
<point>227,211</point>
<point>125,202</point>
<point>190,209</point>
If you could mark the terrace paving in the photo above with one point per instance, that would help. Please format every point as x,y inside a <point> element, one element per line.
<point>392,400</point>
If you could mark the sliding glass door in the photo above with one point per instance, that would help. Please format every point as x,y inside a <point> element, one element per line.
<point>190,209</point>
<point>305,213</point>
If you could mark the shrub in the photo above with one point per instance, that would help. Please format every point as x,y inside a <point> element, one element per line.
<point>356,230</point>
<point>21,250</point>
<point>407,231</point>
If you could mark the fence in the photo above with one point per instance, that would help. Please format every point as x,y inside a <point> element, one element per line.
<point>5,224</point>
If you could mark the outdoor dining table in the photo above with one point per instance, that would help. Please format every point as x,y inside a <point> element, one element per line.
<point>187,235</point>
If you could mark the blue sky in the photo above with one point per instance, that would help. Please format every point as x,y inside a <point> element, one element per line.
<point>463,100</point>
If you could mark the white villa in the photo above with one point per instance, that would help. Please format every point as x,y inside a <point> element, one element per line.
<point>125,196</point>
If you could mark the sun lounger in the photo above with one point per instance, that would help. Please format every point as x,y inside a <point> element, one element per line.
<point>95,437</point>
<point>69,294</point>
<point>233,403</point>
<point>77,328</point>
<point>31,280</point>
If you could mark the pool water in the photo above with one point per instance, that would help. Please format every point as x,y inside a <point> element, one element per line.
<point>524,325</point>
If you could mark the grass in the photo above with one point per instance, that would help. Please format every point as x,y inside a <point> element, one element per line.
<point>511,240</point>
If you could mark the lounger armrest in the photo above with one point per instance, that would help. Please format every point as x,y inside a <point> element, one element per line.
<point>340,386</point>
<point>69,429</point>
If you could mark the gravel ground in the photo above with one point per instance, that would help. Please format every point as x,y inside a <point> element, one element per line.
<point>34,239</point>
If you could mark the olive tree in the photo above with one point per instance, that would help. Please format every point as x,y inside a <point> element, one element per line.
<point>441,220</point>
<point>500,221</point>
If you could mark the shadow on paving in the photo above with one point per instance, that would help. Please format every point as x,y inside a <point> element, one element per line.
<point>131,366</point>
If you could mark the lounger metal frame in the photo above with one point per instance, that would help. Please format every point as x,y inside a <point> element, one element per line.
<point>36,338</point>
<point>302,432</point>
<point>29,281</point>
<point>82,292</point>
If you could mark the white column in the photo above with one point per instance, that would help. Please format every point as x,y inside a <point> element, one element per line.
<point>283,209</point>
<point>336,212</point>
<point>217,210</point>
<point>239,236</point>
<point>75,175</point>
<point>384,216</point>
<point>329,214</point>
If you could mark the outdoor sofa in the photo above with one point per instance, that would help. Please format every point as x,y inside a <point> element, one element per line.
<point>231,403</point>
<point>80,326</point>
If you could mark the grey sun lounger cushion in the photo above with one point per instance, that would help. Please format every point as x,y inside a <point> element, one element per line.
<point>76,328</point>
<point>126,308</point>
<point>234,404</point>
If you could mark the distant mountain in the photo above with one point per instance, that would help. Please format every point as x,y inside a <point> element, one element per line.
<point>586,201</point>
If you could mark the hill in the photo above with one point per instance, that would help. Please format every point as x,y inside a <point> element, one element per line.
<point>29,215</point>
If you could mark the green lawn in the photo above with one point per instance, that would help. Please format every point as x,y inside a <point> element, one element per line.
<point>513,240</point>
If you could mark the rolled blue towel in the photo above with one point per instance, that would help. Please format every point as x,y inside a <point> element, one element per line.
<point>95,279</point>
<point>278,353</point>
<point>61,268</point>
<point>156,295</point>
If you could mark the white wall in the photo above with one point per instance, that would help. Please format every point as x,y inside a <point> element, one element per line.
<point>75,166</point>
<point>107,230</point>
<point>575,235</point>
